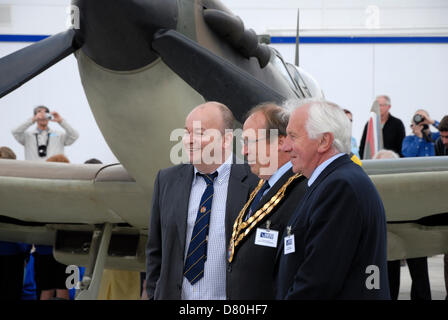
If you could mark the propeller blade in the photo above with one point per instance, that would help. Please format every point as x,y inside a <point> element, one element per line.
<point>212,76</point>
<point>23,65</point>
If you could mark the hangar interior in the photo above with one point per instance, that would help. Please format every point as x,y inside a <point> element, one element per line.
<point>356,50</point>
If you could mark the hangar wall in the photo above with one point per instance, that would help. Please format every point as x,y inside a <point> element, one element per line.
<point>351,74</point>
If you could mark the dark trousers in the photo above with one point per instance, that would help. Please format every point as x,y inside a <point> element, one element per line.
<point>49,274</point>
<point>418,268</point>
<point>11,276</point>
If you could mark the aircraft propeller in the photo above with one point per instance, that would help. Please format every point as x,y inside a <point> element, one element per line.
<point>115,34</point>
<point>23,65</point>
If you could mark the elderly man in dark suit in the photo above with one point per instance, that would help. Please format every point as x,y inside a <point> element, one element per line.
<point>335,242</point>
<point>256,232</point>
<point>194,206</point>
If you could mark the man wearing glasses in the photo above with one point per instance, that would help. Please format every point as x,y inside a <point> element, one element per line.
<point>393,128</point>
<point>257,231</point>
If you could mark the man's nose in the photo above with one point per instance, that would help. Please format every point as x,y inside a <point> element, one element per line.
<point>286,147</point>
<point>187,138</point>
<point>244,150</point>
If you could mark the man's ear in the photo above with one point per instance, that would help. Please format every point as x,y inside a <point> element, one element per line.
<point>281,141</point>
<point>325,142</point>
<point>228,138</point>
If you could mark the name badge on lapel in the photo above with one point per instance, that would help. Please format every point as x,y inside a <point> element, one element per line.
<point>266,237</point>
<point>289,242</point>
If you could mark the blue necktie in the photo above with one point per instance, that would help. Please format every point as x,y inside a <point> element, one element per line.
<point>257,199</point>
<point>197,250</point>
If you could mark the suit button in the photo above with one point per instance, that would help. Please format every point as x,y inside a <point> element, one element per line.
<point>229,268</point>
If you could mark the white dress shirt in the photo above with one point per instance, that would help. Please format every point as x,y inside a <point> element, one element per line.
<point>212,286</point>
<point>278,174</point>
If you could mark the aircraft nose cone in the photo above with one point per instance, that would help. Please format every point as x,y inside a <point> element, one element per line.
<point>117,34</point>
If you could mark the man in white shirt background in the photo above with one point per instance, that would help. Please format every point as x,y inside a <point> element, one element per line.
<point>44,142</point>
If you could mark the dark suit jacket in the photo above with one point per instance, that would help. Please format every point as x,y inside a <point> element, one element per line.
<point>393,135</point>
<point>339,230</point>
<point>251,273</point>
<point>168,226</point>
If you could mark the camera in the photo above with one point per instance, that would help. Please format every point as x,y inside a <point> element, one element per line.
<point>418,118</point>
<point>42,151</point>
<point>48,116</point>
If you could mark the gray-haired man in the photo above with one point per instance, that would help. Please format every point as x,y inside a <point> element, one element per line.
<point>335,242</point>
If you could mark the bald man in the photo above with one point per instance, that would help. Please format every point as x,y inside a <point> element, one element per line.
<point>193,210</point>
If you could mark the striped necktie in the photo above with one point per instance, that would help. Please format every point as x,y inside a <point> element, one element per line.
<point>257,199</point>
<point>197,250</point>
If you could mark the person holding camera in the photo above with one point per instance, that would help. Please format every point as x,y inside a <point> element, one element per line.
<point>421,143</point>
<point>44,142</point>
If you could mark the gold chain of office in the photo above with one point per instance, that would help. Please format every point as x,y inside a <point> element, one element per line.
<point>242,228</point>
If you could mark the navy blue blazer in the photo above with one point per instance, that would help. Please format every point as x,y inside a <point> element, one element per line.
<point>340,239</point>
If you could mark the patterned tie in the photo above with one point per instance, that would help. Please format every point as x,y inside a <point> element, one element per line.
<point>197,250</point>
<point>257,199</point>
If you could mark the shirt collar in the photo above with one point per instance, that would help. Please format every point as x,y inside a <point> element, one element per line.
<point>279,173</point>
<point>322,167</point>
<point>39,131</point>
<point>223,171</point>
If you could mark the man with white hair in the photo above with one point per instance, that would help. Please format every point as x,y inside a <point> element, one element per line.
<point>334,246</point>
<point>386,154</point>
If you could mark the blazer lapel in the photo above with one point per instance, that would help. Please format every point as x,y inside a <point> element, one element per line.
<point>237,194</point>
<point>183,199</point>
<point>330,168</point>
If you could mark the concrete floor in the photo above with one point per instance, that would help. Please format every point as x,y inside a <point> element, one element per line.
<point>436,279</point>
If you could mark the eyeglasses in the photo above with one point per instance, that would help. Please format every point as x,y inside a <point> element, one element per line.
<point>246,141</point>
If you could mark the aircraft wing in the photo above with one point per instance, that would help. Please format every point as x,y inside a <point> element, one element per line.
<point>54,203</point>
<point>58,203</point>
<point>417,214</point>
